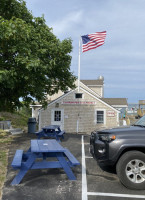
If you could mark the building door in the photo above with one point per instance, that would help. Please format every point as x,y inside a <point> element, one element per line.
<point>57,117</point>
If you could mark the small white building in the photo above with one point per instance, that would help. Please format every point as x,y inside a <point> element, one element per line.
<point>81,111</point>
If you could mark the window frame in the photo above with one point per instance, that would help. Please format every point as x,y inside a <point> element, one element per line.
<point>104,116</point>
<point>59,117</point>
<point>79,93</point>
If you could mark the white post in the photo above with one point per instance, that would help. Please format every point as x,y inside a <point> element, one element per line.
<point>39,122</point>
<point>77,125</point>
<point>33,115</point>
<point>79,65</point>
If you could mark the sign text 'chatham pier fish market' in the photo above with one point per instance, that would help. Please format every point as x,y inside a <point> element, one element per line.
<point>79,102</point>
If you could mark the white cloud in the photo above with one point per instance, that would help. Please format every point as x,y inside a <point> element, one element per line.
<point>121,60</point>
<point>124,86</point>
<point>67,23</point>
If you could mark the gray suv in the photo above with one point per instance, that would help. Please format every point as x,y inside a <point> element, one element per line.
<point>124,148</point>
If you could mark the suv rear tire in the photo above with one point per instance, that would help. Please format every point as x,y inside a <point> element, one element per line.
<point>131,170</point>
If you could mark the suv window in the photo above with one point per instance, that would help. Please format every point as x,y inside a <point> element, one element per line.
<point>140,122</point>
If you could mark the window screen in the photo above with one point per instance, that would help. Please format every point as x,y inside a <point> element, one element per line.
<point>57,115</point>
<point>100,117</point>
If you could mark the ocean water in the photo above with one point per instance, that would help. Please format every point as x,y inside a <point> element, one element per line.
<point>131,110</point>
<point>133,106</point>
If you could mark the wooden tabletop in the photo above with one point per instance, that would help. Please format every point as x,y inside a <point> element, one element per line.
<point>46,146</point>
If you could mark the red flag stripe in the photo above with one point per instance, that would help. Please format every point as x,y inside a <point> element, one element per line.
<point>92,47</point>
<point>87,46</point>
<point>92,41</point>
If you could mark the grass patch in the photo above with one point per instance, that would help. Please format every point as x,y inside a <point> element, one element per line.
<point>5,140</point>
<point>18,119</point>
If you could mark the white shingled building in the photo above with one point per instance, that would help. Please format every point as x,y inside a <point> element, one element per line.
<point>82,111</point>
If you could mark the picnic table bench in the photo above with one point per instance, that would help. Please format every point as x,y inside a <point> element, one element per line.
<point>52,131</point>
<point>43,149</point>
<point>17,160</point>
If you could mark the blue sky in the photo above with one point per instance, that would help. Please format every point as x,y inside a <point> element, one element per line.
<point>121,60</point>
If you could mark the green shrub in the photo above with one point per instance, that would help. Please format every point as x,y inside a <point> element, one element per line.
<point>2,118</point>
<point>18,119</point>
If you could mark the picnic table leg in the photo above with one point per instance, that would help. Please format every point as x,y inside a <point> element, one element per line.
<point>39,136</point>
<point>19,177</point>
<point>24,169</point>
<point>29,150</point>
<point>44,156</point>
<point>58,139</point>
<point>65,166</point>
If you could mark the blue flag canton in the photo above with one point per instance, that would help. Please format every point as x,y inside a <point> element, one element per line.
<point>85,39</point>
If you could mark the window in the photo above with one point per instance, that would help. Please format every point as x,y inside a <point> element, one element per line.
<point>100,116</point>
<point>57,116</point>
<point>78,95</point>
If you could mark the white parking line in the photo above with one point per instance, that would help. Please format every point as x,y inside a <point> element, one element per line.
<point>88,157</point>
<point>85,192</point>
<point>84,177</point>
<point>115,195</point>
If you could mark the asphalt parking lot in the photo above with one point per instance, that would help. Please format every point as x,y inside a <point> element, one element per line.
<point>92,181</point>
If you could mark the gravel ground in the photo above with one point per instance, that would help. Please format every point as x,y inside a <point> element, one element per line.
<point>53,184</point>
<point>44,184</point>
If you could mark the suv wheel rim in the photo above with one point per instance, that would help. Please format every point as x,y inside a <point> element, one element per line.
<point>135,171</point>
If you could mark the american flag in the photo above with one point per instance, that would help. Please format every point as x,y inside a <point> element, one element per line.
<point>92,41</point>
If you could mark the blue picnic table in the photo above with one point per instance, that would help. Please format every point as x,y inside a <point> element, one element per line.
<point>43,149</point>
<point>52,131</point>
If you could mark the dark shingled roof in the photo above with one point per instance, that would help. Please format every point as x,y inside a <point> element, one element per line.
<point>115,101</point>
<point>92,82</point>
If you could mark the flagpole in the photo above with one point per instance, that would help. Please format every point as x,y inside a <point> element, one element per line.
<point>79,64</point>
